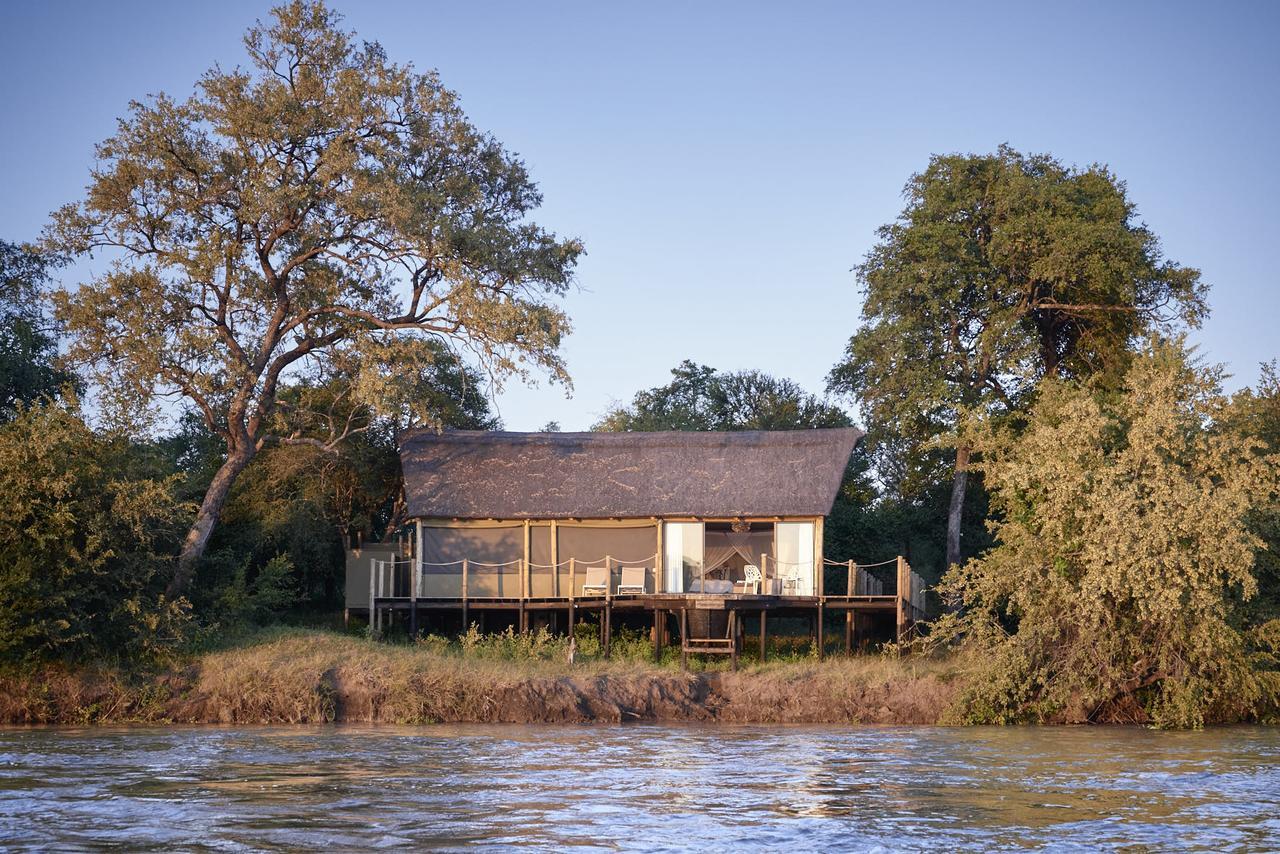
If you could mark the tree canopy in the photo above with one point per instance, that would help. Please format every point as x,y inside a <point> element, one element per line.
<point>1000,271</point>
<point>1123,549</point>
<point>321,209</point>
<point>702,398</point>
<point>28,341</point>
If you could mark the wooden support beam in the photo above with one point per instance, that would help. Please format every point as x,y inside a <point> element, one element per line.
<point>466,626</point>
<point>657,634</point>
<point>684,639</point>
<point>572,607</point>
<point>733,636</point>
<point>764,621</point>
<point>822,646</point>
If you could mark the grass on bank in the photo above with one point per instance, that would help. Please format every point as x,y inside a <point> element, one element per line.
<point>297,675</point>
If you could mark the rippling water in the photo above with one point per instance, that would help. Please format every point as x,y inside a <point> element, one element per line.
<point>655,787</point>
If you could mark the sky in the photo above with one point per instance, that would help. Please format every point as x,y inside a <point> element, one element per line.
<point>727,164</point>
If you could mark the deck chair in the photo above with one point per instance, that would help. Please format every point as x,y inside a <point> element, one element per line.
<point>597,580</point>
<point>751,579</point>
<point>632,580</point>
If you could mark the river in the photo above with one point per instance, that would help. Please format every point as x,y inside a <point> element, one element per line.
<point>640,786</point>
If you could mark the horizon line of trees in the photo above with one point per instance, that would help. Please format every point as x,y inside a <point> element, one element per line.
<point>318,251</point>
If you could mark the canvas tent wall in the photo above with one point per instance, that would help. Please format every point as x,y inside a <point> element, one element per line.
<point>357,574</point>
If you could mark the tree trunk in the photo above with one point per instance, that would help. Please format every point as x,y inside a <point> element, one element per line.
<point>210,509</point>
<point>956,510</point>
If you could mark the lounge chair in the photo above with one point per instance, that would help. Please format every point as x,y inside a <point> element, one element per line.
<point>632,580</point>
<point>597,580</point>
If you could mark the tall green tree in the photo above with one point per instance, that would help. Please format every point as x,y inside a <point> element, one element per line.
<point>28,341</point>
<point>1001,270</point>
<point>702,398</point>
<point>1124,549</point>
<point>323,204</point>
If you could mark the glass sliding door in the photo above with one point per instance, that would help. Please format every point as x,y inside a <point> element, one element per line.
<point>794,554</point>
<point>682,555</point>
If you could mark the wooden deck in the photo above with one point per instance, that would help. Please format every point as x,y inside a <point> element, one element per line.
<point>664,609</point>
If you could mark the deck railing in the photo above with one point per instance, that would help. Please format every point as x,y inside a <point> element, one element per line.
<point>517,580</point>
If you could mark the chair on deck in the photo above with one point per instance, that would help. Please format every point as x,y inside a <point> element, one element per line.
<point>632,580</point>
<point>597,580</point>
<point>751,580</point>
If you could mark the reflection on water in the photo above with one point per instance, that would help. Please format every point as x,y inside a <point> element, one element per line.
<point>640,786</point>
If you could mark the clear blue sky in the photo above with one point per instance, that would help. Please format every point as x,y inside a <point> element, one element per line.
<point>727,164</point>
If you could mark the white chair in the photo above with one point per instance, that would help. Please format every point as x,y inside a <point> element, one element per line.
<point>632,580</point>
<point>751,579</point>
<point>597,580</point>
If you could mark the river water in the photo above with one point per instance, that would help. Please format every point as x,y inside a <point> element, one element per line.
<point>640,786</point>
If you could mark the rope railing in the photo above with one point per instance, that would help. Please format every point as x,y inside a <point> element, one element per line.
<point>400,578</point>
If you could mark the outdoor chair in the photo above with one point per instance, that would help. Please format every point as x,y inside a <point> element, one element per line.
<point>597,580</point>
<point>751,579</point>
<point>632,580</point>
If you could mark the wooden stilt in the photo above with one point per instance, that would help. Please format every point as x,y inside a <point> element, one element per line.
<point>848,632</point>
<point>466,624</point>
<point>657,634</point>
<point>608,629</point>
<point>764,618</point>
<point>818,627</point>
<point>733,635</point>
<point>684,639</point>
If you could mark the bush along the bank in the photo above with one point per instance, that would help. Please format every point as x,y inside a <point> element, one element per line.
<point>86,543</point>
<point>1124,554</point>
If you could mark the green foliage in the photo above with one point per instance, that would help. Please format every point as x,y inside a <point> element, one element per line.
<point>272,592</point>
<point>1001,270</point>
<point>28,343</point>
<point>701,398</point>
<point>1123,550</point>
<point>86,543</point>
<point>1255,414</point>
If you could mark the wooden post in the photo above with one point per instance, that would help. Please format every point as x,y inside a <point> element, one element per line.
<point>526,578</point>
<point>658,560</point>
<point>902,585</point>
<point>818,630</point>
<point>413,599</point>
<point>555,559</point>
<point>572,585</point>
<point>607,616</point>
<point>764,574</point>
<point>657,634</point>
<point>848,614</point>
<point>819,567</point>
<point>684,639</point>
<point>733,636</point>
<point>372,570</point>
<point>466,625</point>
<point>764,617</point>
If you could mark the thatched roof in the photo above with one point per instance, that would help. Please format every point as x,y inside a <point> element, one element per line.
<point>491,475</point>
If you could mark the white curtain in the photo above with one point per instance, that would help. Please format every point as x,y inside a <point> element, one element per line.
<point>723,545</point>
